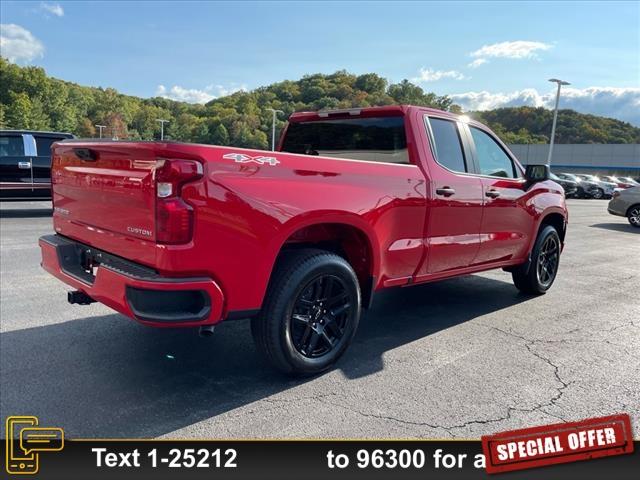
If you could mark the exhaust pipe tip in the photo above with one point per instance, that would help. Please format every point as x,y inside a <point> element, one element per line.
<point>79,297</point>
<point>206,331</point>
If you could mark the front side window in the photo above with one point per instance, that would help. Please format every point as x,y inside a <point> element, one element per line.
<point>447,146</point>
<point>492,159</point>
<point>11,146</point>
<point>376,139</point>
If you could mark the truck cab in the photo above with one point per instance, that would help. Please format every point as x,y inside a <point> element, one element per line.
<point>25,164</point>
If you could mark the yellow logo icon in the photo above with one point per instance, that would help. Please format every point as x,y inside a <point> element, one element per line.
<point>25,441</point>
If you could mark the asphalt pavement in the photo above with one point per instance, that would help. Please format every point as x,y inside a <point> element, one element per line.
<point>454,359</point>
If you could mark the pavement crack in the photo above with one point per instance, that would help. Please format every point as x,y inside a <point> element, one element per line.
<point>389,418</point>
<point>563,385</point>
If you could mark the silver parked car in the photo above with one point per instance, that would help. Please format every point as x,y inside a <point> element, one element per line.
<point>626,203</point>
<point>604,190</point>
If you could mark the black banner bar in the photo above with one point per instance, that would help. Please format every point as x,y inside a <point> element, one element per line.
<point>295,460</point>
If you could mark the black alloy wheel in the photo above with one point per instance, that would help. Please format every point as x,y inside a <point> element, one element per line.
<point>537,276</point>
<point>319,316</point>
<point>548,259</point>
<point>311,311</point>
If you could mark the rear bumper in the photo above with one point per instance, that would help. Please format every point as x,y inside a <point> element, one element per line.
<point>131,289</point>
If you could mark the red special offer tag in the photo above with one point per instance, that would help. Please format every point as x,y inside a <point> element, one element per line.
<point>558,443</point>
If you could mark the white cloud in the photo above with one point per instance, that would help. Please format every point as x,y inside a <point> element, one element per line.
<point>222,91</point>
<point>518,49</point>
<point>53,8</point>
<point>194,95</point>
<point>430,75</point>
<point>18,44</point>
<point>620,103</point>
<point>477,62</point>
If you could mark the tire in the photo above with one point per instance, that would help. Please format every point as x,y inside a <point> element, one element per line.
<point>543,268</point>
<point>633,215</point>
<point>310,314</point>
<point>598,194</point>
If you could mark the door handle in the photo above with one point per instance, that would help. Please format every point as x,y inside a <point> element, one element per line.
<point>492,193</point>
<point>24,165</point>
<point>445,191</point>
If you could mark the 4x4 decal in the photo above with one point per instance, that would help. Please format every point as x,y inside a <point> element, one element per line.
<point>259,159</point>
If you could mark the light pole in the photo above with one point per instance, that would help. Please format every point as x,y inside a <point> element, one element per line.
<point>162,122</point>
<point>555,116</point>
<point>273,127</point>
<point>100,127</point>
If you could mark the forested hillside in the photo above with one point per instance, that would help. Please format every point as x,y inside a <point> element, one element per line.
<point>533,125</point>
<point>30,99</point>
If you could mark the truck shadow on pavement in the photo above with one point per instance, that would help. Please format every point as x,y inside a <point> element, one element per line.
<point>25,212</point>
<point>618,227</point>
<point>109,377</point>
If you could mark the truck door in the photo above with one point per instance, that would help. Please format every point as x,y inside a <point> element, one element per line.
<point>506,223</point>
<point>454,207</point>
<point>15,165</point>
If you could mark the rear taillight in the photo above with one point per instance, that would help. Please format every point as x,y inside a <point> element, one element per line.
<point>174,217</point>
<point>616,194</point>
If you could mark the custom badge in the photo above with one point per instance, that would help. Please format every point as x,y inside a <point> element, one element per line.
<point>243,158</point>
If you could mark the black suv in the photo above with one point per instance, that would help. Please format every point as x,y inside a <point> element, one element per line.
<point>570,187</point>
<point>25,164</point>
<point>586,188</point>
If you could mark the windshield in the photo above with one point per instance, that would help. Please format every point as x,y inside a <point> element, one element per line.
<point>378,139</point>
<point>570,176</point>
<point>591,178</point>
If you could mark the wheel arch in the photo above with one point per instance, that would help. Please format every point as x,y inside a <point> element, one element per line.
<point>557,220</point>
<point>633,205</point>
<point>349,237</point>
<point>554,216</point>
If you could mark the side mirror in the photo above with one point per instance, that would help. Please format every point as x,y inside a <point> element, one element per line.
<point>536,173</point>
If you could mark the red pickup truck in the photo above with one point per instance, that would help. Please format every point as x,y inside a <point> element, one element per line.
<point>353,201</point>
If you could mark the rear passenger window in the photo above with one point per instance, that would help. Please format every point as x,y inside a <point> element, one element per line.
<point>43,145</point>
<point>11,146</point>
<point>447,145</point>
<point>493,161</point>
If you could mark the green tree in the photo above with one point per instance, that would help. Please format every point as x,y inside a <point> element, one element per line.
<point>22,113</point>
<point>31,99</point>
<point>219,135</point>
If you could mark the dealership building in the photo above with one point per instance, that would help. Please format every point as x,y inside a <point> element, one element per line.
<point>604,159</point>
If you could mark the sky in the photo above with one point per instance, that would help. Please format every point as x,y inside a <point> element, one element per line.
<point>483,54</point>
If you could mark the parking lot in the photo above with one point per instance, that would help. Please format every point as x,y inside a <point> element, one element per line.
<point>459,358</point>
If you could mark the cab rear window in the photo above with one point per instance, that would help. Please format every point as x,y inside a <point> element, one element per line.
<point>377,139</point>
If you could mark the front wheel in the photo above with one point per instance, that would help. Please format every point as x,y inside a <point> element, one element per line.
<point>545,259</point>
<point>311,312</point>
<point>633,215</point>
<point>598,194</point>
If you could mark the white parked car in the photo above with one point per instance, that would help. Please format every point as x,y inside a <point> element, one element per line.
<point>606,188</point>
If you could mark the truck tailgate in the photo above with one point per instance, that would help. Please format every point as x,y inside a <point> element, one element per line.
<point>104,195</point>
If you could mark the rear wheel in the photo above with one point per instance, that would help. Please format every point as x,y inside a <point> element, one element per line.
<point>598,193</point>
<point>633,215</point>
<point>545,259</point>
<point>311,312</point>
